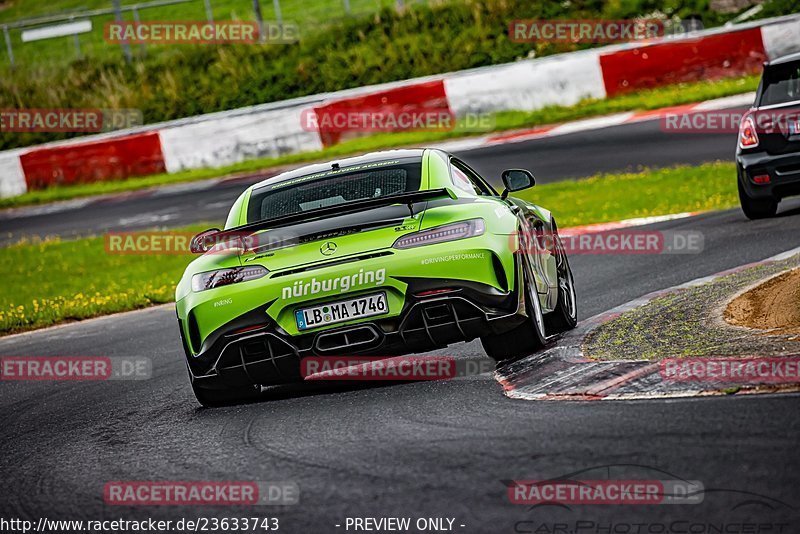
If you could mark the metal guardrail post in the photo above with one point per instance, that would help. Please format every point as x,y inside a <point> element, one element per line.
<point>135,12</point>
<point>8,46</point>
<point>278,15</point>
<point>126,47</point>
<point>259,19</point>
<point>209,13</point>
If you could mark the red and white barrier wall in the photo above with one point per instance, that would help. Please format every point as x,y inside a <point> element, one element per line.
<point>12,177</point>
<point>561,80</point>
<point>276,129</point>
<point>232,139</point>
<point>421,96</point>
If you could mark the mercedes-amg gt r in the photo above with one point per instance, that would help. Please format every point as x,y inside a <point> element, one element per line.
<point>390,253</point>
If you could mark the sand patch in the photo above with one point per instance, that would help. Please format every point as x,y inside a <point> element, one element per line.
<point>773,306</point>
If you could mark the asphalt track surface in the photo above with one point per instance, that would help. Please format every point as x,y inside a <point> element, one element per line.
<point>417,450</point>
<point>628,147</point>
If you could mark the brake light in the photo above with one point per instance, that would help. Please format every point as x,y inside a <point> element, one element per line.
<point>225,277</point>
<point>748,138</point>
<point>761,179</point>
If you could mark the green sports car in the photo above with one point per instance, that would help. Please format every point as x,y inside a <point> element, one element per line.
<point>388,253</point>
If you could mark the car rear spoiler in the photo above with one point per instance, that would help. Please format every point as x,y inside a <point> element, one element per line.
<point>338,209</point>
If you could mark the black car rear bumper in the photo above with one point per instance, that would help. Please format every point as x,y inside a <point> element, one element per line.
<point>783,171</point>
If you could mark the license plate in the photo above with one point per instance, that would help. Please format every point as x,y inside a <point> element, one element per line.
<point>344,310</point>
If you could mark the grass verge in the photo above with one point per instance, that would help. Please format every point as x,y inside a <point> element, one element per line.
<point>55,281</point>
<point>613,197</point>
<point>645,100</point>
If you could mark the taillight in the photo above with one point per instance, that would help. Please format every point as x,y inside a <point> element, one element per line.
<point>440,234</point>
<point>748,138</point>
<point>225,277</point>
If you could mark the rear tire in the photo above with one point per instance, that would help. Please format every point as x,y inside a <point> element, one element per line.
<point>565,316</point>
<point>756,208</point>
<point>524,339</point>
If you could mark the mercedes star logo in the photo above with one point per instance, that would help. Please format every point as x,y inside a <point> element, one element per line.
<point>328,248</point>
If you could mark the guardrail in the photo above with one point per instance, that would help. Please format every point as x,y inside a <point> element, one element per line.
<point>329,10</point>
<point>134,9</point>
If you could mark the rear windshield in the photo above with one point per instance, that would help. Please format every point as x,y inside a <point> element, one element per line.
<point>333,187</point>
<point>781,84</point>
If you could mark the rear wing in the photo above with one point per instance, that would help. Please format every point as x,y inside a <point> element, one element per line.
<point>339,209</point>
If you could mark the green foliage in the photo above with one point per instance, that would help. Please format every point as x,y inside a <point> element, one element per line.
<point>184,80</point>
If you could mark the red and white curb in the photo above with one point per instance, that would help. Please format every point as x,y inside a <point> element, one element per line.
<point>562,372</point>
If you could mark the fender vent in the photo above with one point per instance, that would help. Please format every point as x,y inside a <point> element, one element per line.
<point>194,333</point>
<point>500,273</point>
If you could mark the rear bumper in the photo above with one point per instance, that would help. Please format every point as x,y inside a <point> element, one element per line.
<point>783,171</point>
<point>268,355</point>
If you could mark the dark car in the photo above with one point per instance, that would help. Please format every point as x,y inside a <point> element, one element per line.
<point>768,151</point>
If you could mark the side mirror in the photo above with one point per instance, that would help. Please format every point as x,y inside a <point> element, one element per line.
<point>516,180</point>
<point>201,243</point>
